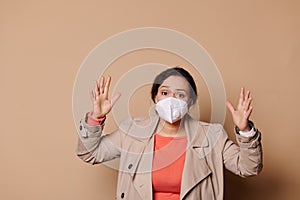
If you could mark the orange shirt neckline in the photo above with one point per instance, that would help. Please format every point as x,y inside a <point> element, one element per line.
<point>170,137</point>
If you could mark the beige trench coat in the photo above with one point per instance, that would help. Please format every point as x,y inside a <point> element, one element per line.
<point>208,151</point>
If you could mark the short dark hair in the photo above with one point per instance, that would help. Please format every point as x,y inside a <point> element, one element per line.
<point>176,71</point>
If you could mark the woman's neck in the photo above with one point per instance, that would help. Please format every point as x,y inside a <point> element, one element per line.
<point>167,129</point>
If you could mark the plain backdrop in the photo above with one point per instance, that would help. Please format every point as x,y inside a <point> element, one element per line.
<point>254,43</point>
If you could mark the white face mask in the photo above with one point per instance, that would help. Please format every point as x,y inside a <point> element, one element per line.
<point>171,109</point>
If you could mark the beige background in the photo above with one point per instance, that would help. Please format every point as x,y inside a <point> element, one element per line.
<point>254,43</point>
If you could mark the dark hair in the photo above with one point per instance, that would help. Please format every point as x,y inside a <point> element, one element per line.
<point>176,71</point>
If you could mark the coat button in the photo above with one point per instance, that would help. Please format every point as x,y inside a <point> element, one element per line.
<point>122,195</point>
<point>130,166</point>
<point>80,127</point>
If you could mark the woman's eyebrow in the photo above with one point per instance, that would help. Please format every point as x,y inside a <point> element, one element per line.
<point>166,86</point>
<point>181,90</point>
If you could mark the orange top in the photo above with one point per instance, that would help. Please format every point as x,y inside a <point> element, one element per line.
<point>168,162</point>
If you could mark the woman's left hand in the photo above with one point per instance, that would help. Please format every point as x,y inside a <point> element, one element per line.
<point>241,114</point>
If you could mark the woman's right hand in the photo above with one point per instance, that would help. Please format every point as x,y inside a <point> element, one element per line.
<point>102,105</point>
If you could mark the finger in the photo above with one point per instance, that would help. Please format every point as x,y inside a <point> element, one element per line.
<point>241,99</point>
<point>92,95</point>
<point>248,103</point>
<point>247,100</point>
<point>248,94</point>
<point>248,113</point>
<point>106,88</point>
<point>97,92</point>
<point>115,98</point>
<point>230,106</point>
<point>101,84</point>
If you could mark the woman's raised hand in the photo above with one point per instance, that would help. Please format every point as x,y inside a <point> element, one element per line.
<point>102,104</point>
<point>241,114</point>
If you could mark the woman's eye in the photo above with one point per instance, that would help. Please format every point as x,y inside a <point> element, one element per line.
<point>180,95</point>
<point>164,93</point>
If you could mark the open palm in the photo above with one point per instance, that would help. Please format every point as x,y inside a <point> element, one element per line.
<point>241,114</point>
<point>102,105</point>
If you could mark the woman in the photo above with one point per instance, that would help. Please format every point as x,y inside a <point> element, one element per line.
<point>170,155</point>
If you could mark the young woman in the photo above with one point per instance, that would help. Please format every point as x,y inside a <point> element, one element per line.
<point>169,155</point>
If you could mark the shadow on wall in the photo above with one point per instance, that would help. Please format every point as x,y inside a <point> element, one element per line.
<point>258,187</point>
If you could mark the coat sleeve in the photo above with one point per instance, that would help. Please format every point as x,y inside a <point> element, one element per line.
<point>244,159</point>
<point>95,147</point>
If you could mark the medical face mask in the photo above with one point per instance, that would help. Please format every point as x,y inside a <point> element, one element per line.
<point>171,109</point>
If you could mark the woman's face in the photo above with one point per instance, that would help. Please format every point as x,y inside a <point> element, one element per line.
<point>174,86</point>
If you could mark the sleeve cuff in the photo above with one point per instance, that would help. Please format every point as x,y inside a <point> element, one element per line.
<point>248,133</point>
<point>94,122</point>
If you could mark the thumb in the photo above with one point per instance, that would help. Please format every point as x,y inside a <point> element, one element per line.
<point>230,106</point>
<point>115,98</point>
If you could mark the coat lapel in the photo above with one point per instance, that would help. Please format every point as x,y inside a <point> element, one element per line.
<point>142,173</point>
<point>195,167</point>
